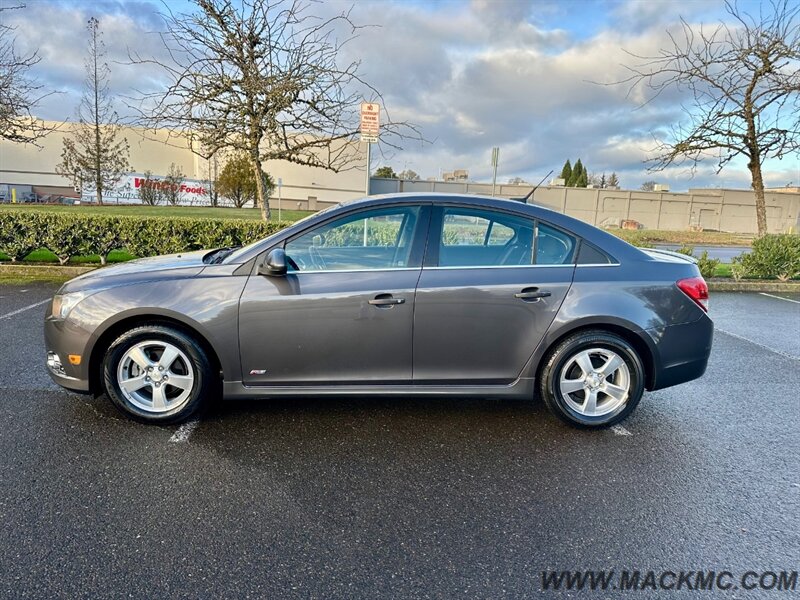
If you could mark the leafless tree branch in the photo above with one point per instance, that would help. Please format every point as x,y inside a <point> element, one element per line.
<point>262,77</point>
<point>19,93</point>
<point>744,84</point>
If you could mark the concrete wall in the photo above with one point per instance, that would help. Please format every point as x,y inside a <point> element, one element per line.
<point>711,209</point>
<point>314,189</point>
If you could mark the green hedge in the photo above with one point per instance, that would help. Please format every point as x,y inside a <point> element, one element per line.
<point>773,257</point>
<point>77,235</point>
<point>708,266</point>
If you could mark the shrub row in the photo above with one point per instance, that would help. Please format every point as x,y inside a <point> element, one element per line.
<point>74,235</point>
<point>706,265</point>
<point>773,257</point>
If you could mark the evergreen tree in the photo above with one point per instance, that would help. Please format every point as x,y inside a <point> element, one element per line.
<point>582,180</point>
<point>566,172</point>
<point>603,180</point>
<point>577,171</point>
<point>613,180</point>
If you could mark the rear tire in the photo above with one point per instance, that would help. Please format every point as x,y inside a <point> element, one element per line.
<point>157,374</point>
<point>593,379</point>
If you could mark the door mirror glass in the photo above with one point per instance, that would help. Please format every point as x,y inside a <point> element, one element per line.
<point>275,263</point>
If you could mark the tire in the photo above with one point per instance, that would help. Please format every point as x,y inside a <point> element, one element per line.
<point>568,390</point>
<point>146,390</point>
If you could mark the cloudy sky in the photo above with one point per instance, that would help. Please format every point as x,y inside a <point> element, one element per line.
<point>520,75</point>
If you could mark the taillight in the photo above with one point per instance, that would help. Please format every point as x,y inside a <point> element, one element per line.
<point>697,289</point>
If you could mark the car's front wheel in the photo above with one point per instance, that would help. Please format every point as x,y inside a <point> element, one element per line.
<point>592,379</point>
<point>157,374</point>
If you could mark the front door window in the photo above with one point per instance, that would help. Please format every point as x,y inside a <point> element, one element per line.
<point>369,240</point>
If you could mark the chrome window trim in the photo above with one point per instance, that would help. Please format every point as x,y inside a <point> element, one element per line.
<point>354,270</point>
<point>567,266</point>
<point>599,265</point>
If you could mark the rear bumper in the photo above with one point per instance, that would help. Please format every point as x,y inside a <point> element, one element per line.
<point>681,352</point>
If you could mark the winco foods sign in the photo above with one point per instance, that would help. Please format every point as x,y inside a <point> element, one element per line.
<point>127,190</point>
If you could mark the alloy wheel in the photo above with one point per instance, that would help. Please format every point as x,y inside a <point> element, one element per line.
<point>595,382</point>
<point>155,376</point>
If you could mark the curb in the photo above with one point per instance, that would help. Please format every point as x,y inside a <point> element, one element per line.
<point>729,285</point>
<point>18,270</point>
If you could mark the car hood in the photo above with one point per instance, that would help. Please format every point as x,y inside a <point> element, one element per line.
<point>179,266</point>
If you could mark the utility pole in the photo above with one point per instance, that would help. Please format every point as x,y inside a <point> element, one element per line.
<point>495,160</point>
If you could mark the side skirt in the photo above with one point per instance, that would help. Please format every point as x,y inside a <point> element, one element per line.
<point>521,388</point>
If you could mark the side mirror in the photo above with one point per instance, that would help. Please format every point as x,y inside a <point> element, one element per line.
<point>275,264</point>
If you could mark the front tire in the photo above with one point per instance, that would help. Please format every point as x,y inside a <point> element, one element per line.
<point>592,379</point>
<point>157,374</point>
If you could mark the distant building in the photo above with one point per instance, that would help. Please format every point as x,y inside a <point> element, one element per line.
<point>28,173</point>
<point>456,175</point>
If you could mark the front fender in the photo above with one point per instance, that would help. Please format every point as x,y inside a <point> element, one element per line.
<point>207,305</point>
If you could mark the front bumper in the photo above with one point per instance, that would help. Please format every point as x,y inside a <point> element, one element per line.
<point>60,340</point>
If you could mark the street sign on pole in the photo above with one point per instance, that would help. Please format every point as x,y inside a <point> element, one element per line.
<point>370,130</point>
<point>370,120</point>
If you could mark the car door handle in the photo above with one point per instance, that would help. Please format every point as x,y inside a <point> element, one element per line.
<point>386,300</point>
<point>532,294</point>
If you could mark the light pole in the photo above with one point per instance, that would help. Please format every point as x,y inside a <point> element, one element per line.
<point>495,160</point>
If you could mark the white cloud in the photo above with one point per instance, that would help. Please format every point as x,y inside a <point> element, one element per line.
<point>472,75</point>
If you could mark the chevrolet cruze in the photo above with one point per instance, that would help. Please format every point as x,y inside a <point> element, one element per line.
<point>405,295</point>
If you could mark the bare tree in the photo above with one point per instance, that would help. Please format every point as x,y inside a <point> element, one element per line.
<point>648,186</point>
<point>19,94</point>
<point>261,77</point>
<point>743,81</point>
<point>149,189</point>
<point>408,175</point>
<point>172,188</point>
<point>595,180</point>
<point>613,180</point>
<point>93,155</point>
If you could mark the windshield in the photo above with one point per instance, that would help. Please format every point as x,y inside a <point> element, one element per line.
<point>239,252</point>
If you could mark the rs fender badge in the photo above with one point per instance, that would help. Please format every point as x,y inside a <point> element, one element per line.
<point>258,371</point>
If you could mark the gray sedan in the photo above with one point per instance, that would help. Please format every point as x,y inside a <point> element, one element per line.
<point>407,294</point>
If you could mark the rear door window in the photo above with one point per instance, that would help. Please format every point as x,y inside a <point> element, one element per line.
<point>480,238</point>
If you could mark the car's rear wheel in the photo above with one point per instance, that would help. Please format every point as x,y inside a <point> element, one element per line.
<point>157,374</point>
<point>592,379</point>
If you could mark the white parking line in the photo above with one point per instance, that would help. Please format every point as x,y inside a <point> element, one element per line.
<point>184,431</point>
<point>23,309</point>
<point>744,339</point>
<point>620,430</point>
<point>779,297</point>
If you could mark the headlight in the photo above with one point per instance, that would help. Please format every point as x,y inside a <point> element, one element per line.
<point>63,303</point>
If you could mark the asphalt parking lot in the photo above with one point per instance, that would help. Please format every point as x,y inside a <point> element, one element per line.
<point>376,498</point>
